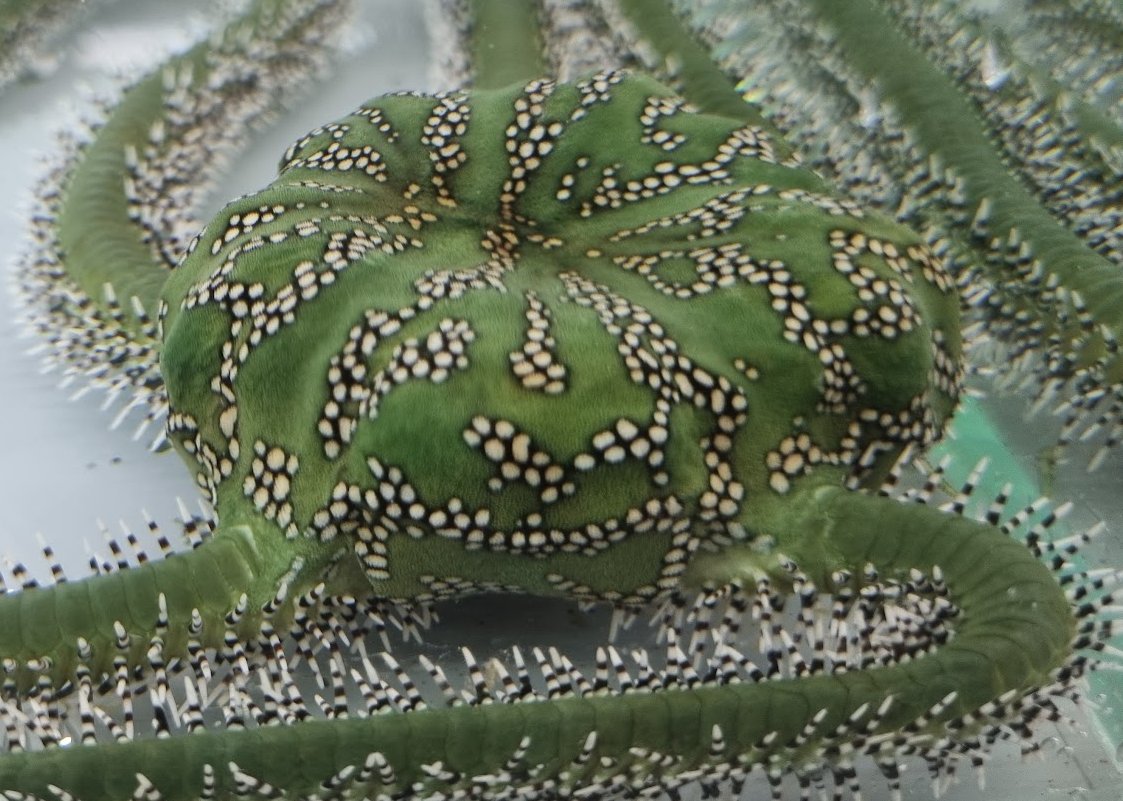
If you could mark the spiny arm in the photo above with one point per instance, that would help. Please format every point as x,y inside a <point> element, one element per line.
<point>233,585</point>
<point>1012,634</point>
<point>25,26</point>
<point>115,213</point>
<point>929,140</point>
<point>111,225</point>
<point>741,302</point>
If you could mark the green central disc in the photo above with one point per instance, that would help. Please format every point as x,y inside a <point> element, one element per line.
<point>552,337</point>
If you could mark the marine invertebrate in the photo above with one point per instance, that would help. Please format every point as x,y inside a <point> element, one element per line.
<point>23,27</point>
<point>637,252</point>
<point>1000,192</point>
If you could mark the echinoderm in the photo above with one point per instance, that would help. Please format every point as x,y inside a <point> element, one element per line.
<point>601,335</point>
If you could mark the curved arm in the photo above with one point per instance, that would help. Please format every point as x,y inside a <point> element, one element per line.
<point>1016,624</point>
<point>1013,633</point>
<point>25,26</point>
<point>87,624</point>
<point>114,216</point>
<point>505,43</point>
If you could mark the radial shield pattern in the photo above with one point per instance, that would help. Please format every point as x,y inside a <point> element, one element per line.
<point>476,319</point>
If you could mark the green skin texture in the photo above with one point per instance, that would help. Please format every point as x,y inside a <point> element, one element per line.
<point>1016,625</point>
<point>1017,628</point>
<point>419,424</point>
<point>945,125</point>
